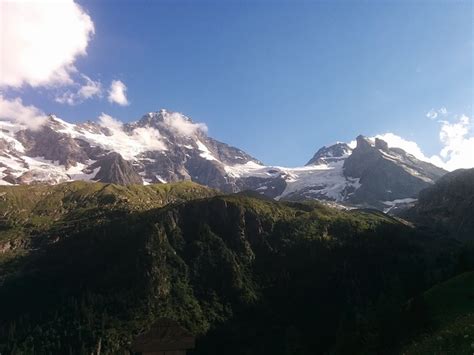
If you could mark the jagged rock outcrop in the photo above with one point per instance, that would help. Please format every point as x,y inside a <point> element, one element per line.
<point>114,169</point>
<point>52,145</point>
<point>387,174</point>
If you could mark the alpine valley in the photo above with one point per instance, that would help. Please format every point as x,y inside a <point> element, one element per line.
<point>166,146</point>
<point>107,228</point>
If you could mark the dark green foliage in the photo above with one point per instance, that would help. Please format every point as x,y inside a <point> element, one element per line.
<point>244,274</point>
<point>447,206</point>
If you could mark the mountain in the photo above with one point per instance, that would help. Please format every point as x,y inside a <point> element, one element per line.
<point>447,206</point>
<point>87,266</point>
<point>160,147</point>
<point>387,176</point>
<point>370,175</point>
<point>330,154</point>
<point>167,146</point>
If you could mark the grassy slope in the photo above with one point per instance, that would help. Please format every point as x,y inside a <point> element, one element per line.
<point>26,210</point>
<point>451,308</point>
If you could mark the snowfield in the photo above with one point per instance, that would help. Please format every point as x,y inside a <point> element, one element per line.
<point>324,179</point>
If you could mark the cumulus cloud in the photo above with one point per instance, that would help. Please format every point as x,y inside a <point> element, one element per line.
<point>458,143</point>
<point>456,137</point>
<point>41,41</point>
<point>88,90</point>
<point>118,93</point>
<point>182,125</point>
<point>14,110</point>
<point>130,144</point>
<point>408,146</point>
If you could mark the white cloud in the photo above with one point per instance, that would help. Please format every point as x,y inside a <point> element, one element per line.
<point>353,144</point>
<point>457,141</point>
<point>150,138</point>
<point>117,93</point>
<point>14,110</point>
<point>41,41</point>
<point>410,147</point>
<point>130,144</point>
<point>110,123</point>
<point>89,90</point>
<point>182,125</point>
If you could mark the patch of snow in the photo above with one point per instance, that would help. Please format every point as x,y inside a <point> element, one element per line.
<point>205,152</point>
<point>160,179</point>
<point>400,201</point>
<point>45,170</point>
<point>128,145</point>
<point>401,162</point>
<point>13,143</point>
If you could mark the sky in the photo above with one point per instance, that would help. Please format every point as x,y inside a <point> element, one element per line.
<point>278,79</point>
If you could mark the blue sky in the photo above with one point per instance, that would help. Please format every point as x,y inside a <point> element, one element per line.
<point>279,79</point>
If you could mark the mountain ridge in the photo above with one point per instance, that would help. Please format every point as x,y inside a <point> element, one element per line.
<point>165,146</point>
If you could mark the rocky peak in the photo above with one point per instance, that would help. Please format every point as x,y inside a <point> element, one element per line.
<point>160,118</point>
<point>330,154</point>
<point>387,174</point>
<point>115,169</point>
<point>152,118</point>
<point>381,144</point>
<point>363,143</point>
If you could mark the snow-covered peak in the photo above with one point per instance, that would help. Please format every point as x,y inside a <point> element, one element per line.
<point>332,153</point>
<point>165,146</point>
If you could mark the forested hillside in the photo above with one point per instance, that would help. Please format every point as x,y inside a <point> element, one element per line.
<point>97,264</point>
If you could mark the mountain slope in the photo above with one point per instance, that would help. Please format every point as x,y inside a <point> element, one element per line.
<point>161,147</point>
<point>254,275</point>
<point>387,174</point>
<point>37,215</point>
<point>167,146</point>
<point>448,205</point>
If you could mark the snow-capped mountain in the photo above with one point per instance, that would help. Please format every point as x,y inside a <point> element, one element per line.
<point>167,146</point>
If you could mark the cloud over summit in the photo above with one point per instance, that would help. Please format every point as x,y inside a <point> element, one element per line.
<point>456,136</point>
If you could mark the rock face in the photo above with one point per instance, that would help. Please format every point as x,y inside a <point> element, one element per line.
<point>387,174</point>
<point>448,205</point>
<point>189,155</point>
<point>115,169</point>
<point>160,147</point>
<point>167,146</point>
